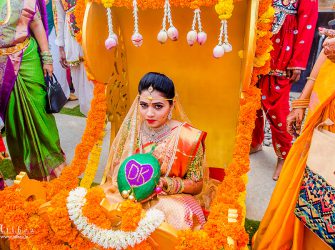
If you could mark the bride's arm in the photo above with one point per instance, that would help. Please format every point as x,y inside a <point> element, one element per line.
<point>193,181</point>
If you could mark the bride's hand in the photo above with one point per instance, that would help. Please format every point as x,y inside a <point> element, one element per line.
<point>294,121</point>
<point>154,194</point>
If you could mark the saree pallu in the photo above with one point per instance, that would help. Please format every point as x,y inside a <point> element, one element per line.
<point>280,228</point>
<point>32,135</point>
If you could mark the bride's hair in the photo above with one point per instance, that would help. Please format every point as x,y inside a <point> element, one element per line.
<point>159,82</point>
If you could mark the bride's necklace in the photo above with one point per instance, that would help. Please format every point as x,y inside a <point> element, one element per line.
<point>155,134</point>
<point>6,20</point>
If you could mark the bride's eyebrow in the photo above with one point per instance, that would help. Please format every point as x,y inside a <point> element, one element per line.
<point>155,103</point>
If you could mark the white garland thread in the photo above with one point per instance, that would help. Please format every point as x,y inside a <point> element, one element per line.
<point>194,19</point>
<point>110,22</point>
<point>225,30</point>
<point>105,238</point>
<point>221,32</point>
<point>167,15</point>
<point>135,14</point>
<point>199,20</point>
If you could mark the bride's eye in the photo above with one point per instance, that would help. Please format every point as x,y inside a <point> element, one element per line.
<point>143,105</point>
<point>158,106</point>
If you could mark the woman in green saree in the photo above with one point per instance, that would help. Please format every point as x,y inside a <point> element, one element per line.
<point>32,135</point>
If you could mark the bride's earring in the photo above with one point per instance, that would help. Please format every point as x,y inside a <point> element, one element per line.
<point>170,115</point>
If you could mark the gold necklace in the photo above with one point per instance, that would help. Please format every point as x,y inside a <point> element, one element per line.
<point>9,10</point>
<point>155,135</point>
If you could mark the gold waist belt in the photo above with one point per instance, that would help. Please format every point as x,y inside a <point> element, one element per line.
<point>15,48</point>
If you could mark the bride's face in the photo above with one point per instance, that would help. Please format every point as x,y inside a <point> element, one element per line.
<point>154,108</point>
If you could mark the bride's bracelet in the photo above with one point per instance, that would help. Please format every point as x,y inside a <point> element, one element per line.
<point>175,185</point>
<point>300,103</point>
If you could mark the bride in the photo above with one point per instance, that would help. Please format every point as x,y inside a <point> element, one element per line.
<point>179,148</point>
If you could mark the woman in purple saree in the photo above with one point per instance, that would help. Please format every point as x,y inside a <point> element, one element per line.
<point>32,135</point>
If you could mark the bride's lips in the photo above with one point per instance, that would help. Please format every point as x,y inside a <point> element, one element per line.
<point>150,121</point>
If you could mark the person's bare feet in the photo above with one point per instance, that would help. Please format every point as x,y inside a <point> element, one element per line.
<point>280,163</point>
<point>256,149</point>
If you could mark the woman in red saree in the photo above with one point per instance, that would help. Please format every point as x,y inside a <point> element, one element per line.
<point>178,147</point>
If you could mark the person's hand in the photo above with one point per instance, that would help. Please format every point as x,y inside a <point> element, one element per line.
<point>48,69</point>
<point>327,32</point>
<point>161,184</point>
<point>293,74</point>
<point>62,57</point>
<point>294,121</point>
<point>329,48</point>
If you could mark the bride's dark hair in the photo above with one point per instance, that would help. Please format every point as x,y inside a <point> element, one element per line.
<point>159,82</point>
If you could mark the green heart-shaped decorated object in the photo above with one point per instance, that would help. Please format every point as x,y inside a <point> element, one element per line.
<point>138,176</point>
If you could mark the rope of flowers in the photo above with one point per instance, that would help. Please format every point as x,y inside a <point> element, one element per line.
<point>108,238</point>
<point>233,187</point>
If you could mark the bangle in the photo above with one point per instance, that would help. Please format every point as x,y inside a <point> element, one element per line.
<point>46,52</point>
<point>300,103</point>
<point>182,186</point>
<point>169,185</point>
<point>311,78</point>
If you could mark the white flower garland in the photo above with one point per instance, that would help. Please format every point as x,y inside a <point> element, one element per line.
<point>136,38</point>
<point>109,238</point>
<point>193,35</point>
<point>171,32</point>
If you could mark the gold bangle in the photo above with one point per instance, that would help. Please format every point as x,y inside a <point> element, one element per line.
<point>311,78</point>
<point>300,103</point>
<point>299,107</point>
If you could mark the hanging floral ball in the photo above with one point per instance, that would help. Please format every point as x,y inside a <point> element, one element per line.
<point>111,42</point>
<point>218,51</point>
<point>137,39</point>
<point>162,36</point>
<point>224,9</point>
<point>172,33</point>
<point>191,37</point>
<point>227,47</point>
<point>201,37</point>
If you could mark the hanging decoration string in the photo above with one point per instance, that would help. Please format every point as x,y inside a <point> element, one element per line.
<point>172,32</point>
<point>136,38</point>
<point>194,36</point>
<point>112,39</point>
<point>224,8</point>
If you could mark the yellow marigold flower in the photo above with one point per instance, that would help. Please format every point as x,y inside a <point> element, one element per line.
<point>224,9</point>
<point>107,3</point>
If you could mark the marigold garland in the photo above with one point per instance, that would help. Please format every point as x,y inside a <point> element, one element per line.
<point>93,163</point>
<point>224,8</point>
<point>233,187</point>
<point>94,125</point>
